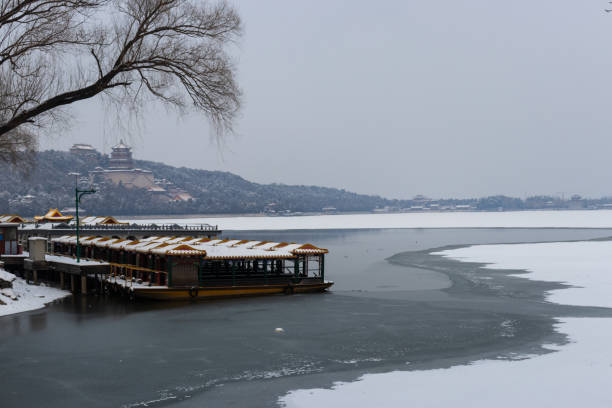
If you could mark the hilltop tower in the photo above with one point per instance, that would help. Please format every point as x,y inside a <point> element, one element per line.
<point>121,157</point>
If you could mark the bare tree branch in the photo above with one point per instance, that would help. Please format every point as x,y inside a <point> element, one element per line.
<point>174,49</point>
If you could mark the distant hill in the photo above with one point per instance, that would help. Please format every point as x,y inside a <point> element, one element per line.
<point>49,185</point>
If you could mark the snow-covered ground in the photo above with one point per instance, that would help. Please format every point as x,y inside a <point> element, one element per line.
<point>516,219</point>
<point>23,297</point>
<point>577,374</point>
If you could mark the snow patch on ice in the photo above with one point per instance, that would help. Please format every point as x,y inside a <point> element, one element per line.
<point>576,374</point>
<point>579,375</point>
<point>586,266</point>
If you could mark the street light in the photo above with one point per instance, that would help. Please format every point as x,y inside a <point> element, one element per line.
<point>78,193</point>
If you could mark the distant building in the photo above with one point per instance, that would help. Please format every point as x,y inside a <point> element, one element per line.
<point>576,203</point>
<point>84,150</point>
<point>27,199</point>
<point>182,196</point>
<point>121,157</point>
<point>121,170</point>
<point>419,198</point>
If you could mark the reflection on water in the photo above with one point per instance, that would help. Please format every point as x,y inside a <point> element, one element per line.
<point>38,321</point>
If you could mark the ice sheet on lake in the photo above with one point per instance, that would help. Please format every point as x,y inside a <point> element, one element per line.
<point>23,297</point>
<point>475,219</point>
<point>586,265</point>
<point>577,375</point>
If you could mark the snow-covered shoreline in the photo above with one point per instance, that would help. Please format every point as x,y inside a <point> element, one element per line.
<point>23,297</point>
<point>474,219</point>
<point>576,374</point>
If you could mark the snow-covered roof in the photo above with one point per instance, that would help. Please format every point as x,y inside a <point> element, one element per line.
<point>205,247</point>
<point>53,215</point>
<point>83,146</point>
<point>97,220</point>
<point>12,218</point>
<point>121,145</point>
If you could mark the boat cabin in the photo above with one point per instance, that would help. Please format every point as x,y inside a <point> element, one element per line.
<point>204,263</point>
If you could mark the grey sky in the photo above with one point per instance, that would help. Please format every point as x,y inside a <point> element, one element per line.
<point>443,98</point>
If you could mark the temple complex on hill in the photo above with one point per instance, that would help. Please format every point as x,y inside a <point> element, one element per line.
<point>121,170</point>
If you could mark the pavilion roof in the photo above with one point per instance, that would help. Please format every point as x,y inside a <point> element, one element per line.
<point>53,215</point>
<point>98,220</point>
<point>12,218</point>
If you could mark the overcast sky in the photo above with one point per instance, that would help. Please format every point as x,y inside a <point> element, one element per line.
<point>443,98</point>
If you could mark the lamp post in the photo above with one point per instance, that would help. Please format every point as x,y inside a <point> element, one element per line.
<point>78,193</point>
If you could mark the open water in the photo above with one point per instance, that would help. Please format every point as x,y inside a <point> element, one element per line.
<point>393,306</point>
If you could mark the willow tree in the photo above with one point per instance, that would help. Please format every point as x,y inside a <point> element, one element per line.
<point>57,52</point>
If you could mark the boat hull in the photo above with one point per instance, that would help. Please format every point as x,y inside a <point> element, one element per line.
<point>228,291</point>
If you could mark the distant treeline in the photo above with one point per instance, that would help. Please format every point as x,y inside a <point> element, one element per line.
<point>48,185</point>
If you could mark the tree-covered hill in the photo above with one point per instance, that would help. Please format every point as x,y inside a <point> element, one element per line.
<point>49,185</point>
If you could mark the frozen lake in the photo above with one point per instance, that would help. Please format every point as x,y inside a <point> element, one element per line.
<point>572,374</point>
<point>473,219</point>
<point>418,312</point>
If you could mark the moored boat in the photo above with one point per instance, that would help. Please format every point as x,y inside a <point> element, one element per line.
<point>172,268</point>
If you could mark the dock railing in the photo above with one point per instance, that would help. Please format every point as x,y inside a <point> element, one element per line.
<point>141,227</point>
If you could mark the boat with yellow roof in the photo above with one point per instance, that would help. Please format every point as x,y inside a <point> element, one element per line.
<point>167,268</point>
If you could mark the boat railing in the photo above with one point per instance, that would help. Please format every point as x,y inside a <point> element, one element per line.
<point>128,271</point>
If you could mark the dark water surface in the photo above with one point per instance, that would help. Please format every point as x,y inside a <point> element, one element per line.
<point>417,311</point>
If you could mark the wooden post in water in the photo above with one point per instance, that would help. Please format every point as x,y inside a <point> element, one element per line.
<point>72,285</point>
<point>84,285</point>
<point>61,280</point>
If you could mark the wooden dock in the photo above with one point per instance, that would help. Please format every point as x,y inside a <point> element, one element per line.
<point>62,269</point>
